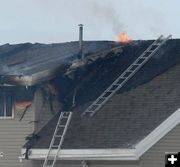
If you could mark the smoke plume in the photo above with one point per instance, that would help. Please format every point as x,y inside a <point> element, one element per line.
<point>107,13</point>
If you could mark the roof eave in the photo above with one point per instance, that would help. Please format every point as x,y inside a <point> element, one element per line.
<point>158,133</point>
<point>85,154</point>
<point>113,154</point>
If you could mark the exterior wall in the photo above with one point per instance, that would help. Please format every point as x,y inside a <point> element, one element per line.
<point>43,112</point>
<point>156,155</point>
<point>13,132</point>
<point>12,136</point>
<point>152,158</point>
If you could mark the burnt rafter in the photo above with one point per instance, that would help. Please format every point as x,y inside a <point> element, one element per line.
<point>77,64</point>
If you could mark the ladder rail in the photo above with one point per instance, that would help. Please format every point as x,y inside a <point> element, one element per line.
<point>53,139</point>
<point>125,79</point>
<point>141,57</point>
<point>61,137</point>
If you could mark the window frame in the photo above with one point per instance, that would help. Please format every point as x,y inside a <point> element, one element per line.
<point>6,94</point>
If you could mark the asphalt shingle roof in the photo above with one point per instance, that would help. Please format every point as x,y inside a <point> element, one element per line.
<point>149,98</point>
<point>27,58</point>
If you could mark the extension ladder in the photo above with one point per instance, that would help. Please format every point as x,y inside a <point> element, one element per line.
<point>125,76</point>
<point>57,139</point>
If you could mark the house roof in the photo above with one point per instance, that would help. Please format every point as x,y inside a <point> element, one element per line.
<point>30,63</point>
<point>125,120</point>
<point>147,100</point>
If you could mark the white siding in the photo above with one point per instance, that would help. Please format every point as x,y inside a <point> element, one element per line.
<point>156,155</point>
<point>13,132</point>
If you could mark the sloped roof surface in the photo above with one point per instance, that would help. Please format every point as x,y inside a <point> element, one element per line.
<point>125,120</point>
<point>27,58</point>
<point>149,98</point>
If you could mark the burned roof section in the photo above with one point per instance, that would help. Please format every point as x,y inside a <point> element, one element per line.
<point>147,99</point>
<point>91,80</point>
<point>126,118</point>
<point>38,62</point>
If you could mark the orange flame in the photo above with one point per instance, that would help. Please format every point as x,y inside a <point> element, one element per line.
<point>123,38</point>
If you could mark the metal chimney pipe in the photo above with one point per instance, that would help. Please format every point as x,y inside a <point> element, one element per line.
<point>81,41</point>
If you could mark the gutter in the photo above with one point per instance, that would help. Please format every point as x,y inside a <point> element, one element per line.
<point>111,154</point>
<point>83,154</point>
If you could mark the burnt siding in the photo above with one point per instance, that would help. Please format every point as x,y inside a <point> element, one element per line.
<point>12,137</point>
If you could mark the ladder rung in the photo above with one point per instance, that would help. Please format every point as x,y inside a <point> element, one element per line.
<point>66,114</point>
<point>128,73</point>
<point>65,117</point>
<point>156,44</point>
<point>113,89</point>
<point>92,109</point>
<point>50,158</point>
<point>116,84</point>
<point>88,111</point>
<point>58,136</point>
<point>134,66</point>
<point>123,77</point>
<point>57,139</point>
<point>62,126</point>
<point>150,51</point>
<point>101,98</point>
<point>141,58</point>
<point>146,57</point>
<point>95,105</point>
<point>108,91</point>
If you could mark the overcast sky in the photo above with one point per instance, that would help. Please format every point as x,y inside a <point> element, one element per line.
<point>50,21</point>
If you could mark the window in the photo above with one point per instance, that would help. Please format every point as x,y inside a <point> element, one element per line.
<point>6,105</point>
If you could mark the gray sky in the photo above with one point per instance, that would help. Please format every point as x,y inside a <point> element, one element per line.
<point>50,21</point>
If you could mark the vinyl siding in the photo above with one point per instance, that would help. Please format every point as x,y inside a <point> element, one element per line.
<point>156,155</point>
<point>13,132</point>
<point>12,137</point>
<point>43,112</point>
